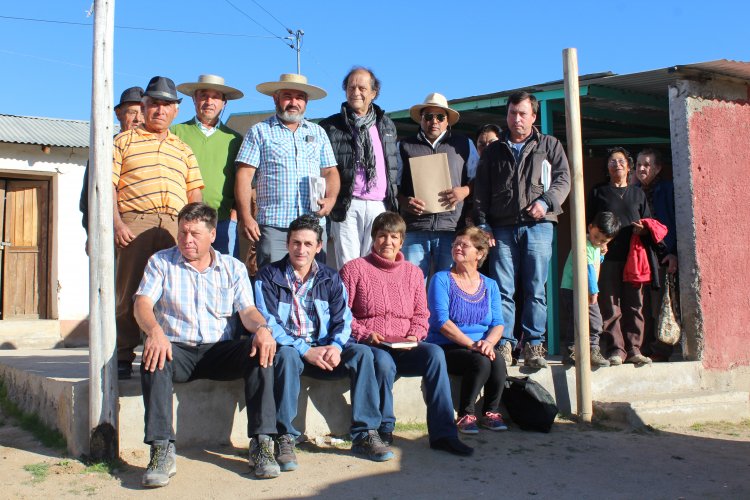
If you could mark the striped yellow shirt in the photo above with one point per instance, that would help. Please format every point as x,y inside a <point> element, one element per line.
<point>151,175</point>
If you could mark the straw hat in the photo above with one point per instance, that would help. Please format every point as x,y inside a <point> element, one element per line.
<point>292,81</point>
<point>211,82</point>
<point>434,100</point>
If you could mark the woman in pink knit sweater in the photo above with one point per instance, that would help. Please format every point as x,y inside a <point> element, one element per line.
<point>389,304</point>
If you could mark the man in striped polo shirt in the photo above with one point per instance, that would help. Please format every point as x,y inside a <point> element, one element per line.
<point>154,175</point>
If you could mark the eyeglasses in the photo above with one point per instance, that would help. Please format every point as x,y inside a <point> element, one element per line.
<point>613,163</point>
<point>428,117</point>
<point>462,246</point>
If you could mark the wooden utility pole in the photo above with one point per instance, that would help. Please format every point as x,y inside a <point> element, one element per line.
<point>103,432</point>
<point>578,235</point>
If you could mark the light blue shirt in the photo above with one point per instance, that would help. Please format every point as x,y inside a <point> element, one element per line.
<point>284,161</point>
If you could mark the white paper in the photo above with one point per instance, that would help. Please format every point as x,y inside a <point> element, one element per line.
<point>546,175</point>
<point>317,191</point>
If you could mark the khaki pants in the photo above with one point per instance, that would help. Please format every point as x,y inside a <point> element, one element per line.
<point>153,232</point>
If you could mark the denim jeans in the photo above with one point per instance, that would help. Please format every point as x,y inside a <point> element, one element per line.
<point>226,238</point>
<point>226,360</point>
<point>426,361</point>
<point>356,363</point>
<point>523,251</point>
<point>429,250</point>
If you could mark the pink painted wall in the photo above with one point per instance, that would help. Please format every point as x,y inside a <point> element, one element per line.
<point>719,135</point>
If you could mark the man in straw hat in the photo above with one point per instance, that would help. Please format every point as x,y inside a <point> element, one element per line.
<point>533,170</point>
<point>429,235</point>
<point>285,151</point>
<point>154,175</point>
<point>215,146</point>
<point>364,140</point>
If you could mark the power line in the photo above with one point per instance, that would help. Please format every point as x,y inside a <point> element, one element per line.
<point>274,17</point>
<point>256,22</point>
<point>138,28</point>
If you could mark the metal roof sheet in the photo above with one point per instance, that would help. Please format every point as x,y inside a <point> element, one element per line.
<point>44,131</point>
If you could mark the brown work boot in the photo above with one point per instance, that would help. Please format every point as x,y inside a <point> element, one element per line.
<point>533,356</point>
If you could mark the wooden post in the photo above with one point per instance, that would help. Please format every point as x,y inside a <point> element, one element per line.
<point>103,433</point>
<point>578,235</point>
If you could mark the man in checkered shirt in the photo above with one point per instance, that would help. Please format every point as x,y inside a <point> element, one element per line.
<point>282,153</point>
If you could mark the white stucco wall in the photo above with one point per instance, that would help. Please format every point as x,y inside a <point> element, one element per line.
<point>64,168</point>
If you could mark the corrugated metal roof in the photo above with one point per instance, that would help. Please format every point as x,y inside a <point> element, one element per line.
<point>44,131</point>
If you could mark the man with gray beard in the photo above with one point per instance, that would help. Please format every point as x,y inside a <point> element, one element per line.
<point>284,152</point>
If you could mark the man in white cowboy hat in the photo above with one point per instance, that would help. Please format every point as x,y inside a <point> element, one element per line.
<point>532,170</point>
<point>215,146</point>
<point>154,175</point>
<point>429,236</point>
<point>364,141</point>
<point>285,151</point>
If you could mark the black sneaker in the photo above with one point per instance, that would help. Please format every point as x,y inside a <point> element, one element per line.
<point>452,445</point>
<point>373,447</point>
<point>162,466</point>
<point>124,370</point>
<point>386,437</point>
<point>261,457</point>
<point>285,455</point>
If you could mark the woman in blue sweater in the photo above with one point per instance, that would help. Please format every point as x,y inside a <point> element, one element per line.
<point>466,320</point>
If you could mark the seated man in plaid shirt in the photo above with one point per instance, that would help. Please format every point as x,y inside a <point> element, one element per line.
<point>184,305</point>
<point>306,304</point>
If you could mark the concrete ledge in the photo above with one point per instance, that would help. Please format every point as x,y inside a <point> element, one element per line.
<point>54,385</point>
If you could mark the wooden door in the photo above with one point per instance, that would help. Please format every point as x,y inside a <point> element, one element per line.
<point>25,267</point>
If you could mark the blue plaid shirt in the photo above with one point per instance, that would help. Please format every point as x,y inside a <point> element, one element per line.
<point>284,160</point>
<point>304,321</point>
<point>195,307</point>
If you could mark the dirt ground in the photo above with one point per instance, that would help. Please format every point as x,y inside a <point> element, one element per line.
<point>703,461</point>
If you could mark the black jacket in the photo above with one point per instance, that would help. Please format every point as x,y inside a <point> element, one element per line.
<point>503,190</point>
<point>341,141</point>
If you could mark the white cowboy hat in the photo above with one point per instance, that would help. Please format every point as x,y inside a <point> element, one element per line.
<point>212,82</point>
<point>292,81</point>
<point>434,100</point>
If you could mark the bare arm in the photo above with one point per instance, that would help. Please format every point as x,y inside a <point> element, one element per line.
<point>156,348</point>
<point>333,184</point>
<point>123,234</point>
<point>243,185</point>
<point>194,195</point>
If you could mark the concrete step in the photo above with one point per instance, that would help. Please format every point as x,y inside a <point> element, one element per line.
<point>685,409</point>
<point>30,334</point>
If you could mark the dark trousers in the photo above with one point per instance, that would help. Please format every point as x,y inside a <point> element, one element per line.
<point>621,305</point>
<point>476,371</point>
<point>227,360</point>
<point>567,320</point>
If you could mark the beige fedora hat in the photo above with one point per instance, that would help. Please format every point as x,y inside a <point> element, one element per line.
<point>212,82</point>
<point>295,82</point>
<point>434,100</point>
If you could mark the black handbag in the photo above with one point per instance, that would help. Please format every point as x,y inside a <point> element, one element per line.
<point>529,404</point>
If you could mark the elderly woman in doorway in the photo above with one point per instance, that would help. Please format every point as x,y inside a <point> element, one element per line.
<point>389,307</point>
<point>466,320</point>
<point>621,303</point>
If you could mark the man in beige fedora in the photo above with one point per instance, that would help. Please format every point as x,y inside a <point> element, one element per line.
<point>283,153</point>
<point>429,236</point>
<point>215,147</point>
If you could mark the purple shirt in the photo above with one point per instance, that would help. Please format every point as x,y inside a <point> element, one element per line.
<point>377,192</point>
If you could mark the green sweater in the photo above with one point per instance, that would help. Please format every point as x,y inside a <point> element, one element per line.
<point>215,155</point>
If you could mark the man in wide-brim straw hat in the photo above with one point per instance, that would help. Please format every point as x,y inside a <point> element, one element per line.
<point>429,236</point>
<point>282,153</point>
<point>215,146</point>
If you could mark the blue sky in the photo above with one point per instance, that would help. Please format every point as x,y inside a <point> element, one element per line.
<point>457,48</point>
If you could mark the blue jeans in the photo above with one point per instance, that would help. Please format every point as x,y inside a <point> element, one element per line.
<point>523,252</point>
<point>426,361</point>
<point>429,250</point>
<point>226,238</point>
<point>356,363</point>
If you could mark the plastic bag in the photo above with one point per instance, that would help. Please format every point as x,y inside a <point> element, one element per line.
<point>668,328</point>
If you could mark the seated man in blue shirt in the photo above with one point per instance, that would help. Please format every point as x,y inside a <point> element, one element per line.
<point>306,304</point>
<point>184,305</point>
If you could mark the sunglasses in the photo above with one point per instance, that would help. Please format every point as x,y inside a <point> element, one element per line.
<point>428,117</point>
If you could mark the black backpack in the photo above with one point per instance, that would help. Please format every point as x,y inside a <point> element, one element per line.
<point>529,404</point>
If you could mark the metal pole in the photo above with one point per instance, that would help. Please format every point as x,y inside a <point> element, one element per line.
<point>578,235</point>
<point>103,429</point>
